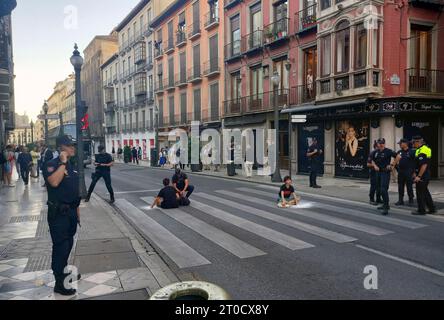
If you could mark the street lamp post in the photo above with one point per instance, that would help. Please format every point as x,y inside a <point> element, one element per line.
<point>32,131</point>
<point>77,62</point>
<point>275,79</point>
<point>45,110</point>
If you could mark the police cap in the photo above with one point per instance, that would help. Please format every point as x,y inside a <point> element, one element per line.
<point>417,138</point>
<point>403,141</point>
<point>381,141</point>
<point>66,141</point>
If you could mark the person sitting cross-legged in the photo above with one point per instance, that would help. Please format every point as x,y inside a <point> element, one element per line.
<point>167,198</point>
<point>287,195</point>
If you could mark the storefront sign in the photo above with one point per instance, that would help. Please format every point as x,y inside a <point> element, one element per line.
<point>428,107</point>
<point>352,148</point>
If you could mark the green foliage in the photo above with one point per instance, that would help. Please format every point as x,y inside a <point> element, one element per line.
<point>127,154</point>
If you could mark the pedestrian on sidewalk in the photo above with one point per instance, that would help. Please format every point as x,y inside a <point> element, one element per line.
<point>375,184</point>
<point>182,184</point>
<point>405,164</point>
<point>25,162</point>
<point>421,177</point>
<point>8,166</point>
<point>135,156</point>
<point>62,183</point>
<point>113,153</point>
<point>103,163</point>
<point>35,154</point>
<point>382,162</point>
<point>139,154</point>
<point>17,151</point>
<point>119,154</point>
<point>314,156</point>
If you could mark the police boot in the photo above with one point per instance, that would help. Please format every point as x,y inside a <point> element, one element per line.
<point>411,202</point>
<point>112,200</point>
<point>399,203</point>
<point>60,288</point>
<point>88,197</point>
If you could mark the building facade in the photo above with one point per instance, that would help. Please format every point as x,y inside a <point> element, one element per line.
<point>99,50</point>
<point>379,74</point>
<point>129,82</point>
<point>62,102</point>
<point>21,135</point>
<point>7,101</point>
<point>189,77</point>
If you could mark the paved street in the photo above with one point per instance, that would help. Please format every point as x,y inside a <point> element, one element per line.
<point>235,236</point>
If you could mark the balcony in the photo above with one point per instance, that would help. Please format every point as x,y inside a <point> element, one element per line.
<point>194,74</point>
<point>181,38</point>
<point>111,129</point>
<point>233,50</point>
<point>425,81</point>
<point>234,107</point>
<point>158,87</point>
<point>158,52</point>
<point>211,68</point>
<point>211,19</point>
<point>305,19</point>
<point>257,103</point>
<point>254,41</point>
<point>276,31</point>
<point>302,94</point>
<point>181,79</point>
<point>170,46</point>
<point>149,126</point>
<point>168,83</point>
<point>210,115</point>
<point>150,97</point>
<point>231,3</point>
<point>194,30</point>
<point>149,63</point>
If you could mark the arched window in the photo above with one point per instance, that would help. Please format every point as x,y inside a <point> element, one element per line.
<point>343,47</point>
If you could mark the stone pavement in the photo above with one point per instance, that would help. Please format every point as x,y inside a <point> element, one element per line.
<point>350,189</point>
<point>114,261</point>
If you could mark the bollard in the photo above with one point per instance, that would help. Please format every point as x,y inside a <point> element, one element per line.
<point>191,290</point>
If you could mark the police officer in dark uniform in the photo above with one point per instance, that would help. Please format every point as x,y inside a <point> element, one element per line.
<point>421,177</point>
<point>62,183</point>
<point>375,185</point>
<point>405,163</point>
<point>314,153</point>
<point>382,163</point>
<point>104,161</point>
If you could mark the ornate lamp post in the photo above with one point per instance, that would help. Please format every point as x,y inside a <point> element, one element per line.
<point>77,62</point>
<point>275,79</point>
<point>32,131</point>
<point>45,110</point>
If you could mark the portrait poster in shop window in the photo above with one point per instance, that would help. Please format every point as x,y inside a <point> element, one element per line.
<point>352,148</point>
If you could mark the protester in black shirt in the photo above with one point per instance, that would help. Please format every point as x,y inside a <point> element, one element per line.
<point>167,198</point>
<point>104,161</point>
<point>405,162</point>
<point>382,162</point>
<point>181,184</point>
<point>287,195</point>
<point>25,161</point>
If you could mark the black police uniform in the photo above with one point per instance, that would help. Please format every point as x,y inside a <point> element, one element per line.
<point>375,184</point>
<point>179,180</point>
<point>423,196</point>
<point>406,168</point>
<point>63,202</point>
<point>315,164</point>
<point>102,172</point>
<point>383,159</point>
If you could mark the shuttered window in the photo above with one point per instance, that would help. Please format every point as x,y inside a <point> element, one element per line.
<point>197,105</point>
<point>214,96</point>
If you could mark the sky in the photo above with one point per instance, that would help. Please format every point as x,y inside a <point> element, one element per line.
<point>44,33</point>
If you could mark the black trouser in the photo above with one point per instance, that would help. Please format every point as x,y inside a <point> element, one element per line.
<point>405,179</point>
<point>96,177</point>
<point>375,186</point>
<point>136,159</point>
<point>314,169</point>
<point>24,172</point>
<point>423,196</point>
<point>384,183</point>
<point>189,191</point>
<point>63,227</point>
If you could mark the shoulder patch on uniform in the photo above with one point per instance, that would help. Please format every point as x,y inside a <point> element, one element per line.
<point>51,169</point>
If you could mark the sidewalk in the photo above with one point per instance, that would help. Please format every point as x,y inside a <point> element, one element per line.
<point>114,261</point>
<point>356,190</point>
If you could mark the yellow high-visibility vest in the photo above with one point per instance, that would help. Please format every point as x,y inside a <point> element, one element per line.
<point>424,150</point>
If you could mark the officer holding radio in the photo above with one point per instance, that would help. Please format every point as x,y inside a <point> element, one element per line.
<point>62,183</point>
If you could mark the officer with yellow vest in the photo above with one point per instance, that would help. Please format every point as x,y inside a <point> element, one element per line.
<point>421,177</point>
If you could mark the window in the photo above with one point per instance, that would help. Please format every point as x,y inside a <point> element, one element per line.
<point>148,16</point>
<point>235,35</point>
<point>235,86</point>
<point>170,34</point>
<point>361,47</point>
<point>256,78</point>
<point>214,100</point>
<point>255,39</point>
<point>280,10</point>
<point>196,17</point>
<point>150,86</point>
<point>160,115</point>
<point>142,23</point>
<point>137,121</point>
<point>143,119</point>
<point>125,122</point>
<point>150,52</point>
<point>214,10</point>
<point>375,47</point>
<point>342,47</point>
<point>420,47</point>
<point>196,61</point>
<point>181,25</point>
<point>183,67</point>
<point>183,107</point>
<point>214,53</point>
<point>171,72</point>
<point>197,105</point>
<point>171,109</point>
<point>325,4</point>
<point>279,66</point>
<point>140,84</point>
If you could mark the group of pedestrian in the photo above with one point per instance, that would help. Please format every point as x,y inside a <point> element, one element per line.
<point>175,193</point>
<point>413,166</point>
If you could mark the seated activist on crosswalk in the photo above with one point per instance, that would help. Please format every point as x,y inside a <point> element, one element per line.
<point>169,198</point>
<point>287,195</point>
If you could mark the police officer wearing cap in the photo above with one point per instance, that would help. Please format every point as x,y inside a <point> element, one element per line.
<point>405,163</point>
<point>382,164</point>
<point>62,183</point>
<point>421,177</point>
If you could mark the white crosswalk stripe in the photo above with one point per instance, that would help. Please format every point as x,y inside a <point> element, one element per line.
<point>264,232</point>
<point>313,215</point>
<point>321,232</point>
<point>343,210</point>
<point>177,250</point>
<point>237,247</point>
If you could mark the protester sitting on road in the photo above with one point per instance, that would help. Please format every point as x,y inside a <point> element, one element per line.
<point>167,198</point>
<point>181,184</point>
<point>287,195</point>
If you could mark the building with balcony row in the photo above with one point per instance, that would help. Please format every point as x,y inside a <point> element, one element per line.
<point>62,101</point>
<point>128,81</point>
<point>189,77</point>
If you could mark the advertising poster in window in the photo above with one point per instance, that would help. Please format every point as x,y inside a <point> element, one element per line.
<point>306,135</point>
<point>352,148</point>
<point>144,149</point>
<point>125,142</point>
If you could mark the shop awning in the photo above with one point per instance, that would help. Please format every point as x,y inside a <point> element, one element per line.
<point>312,107</point>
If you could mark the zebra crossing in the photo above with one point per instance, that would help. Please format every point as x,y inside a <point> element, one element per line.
<point>249,210</point>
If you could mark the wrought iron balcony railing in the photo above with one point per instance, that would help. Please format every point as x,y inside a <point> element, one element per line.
<point>276,31</point>
<point>211,19</point>
<point>425,81</point>
<point>194,30</point>
<point>305,19</point>
<point>211,67</point>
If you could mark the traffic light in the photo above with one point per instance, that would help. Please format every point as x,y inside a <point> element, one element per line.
<point>85,118</point>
